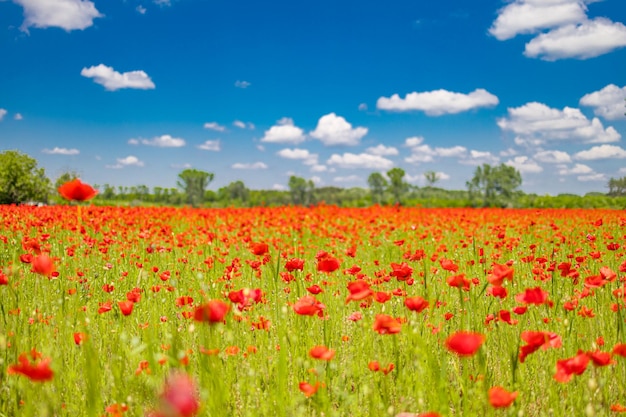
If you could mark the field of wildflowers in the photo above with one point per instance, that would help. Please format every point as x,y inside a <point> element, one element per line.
<point>322,311</point>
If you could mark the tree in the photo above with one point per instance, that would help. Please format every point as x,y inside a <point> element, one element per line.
<point>494,186</point>
<point>194,182</point>
<point>377,183</point>
<point>617,186</point>
<point>21,180</point>
<point>234,193</point>
<point>301,190</point>
<point>397,185</point>
<point>431,178</point>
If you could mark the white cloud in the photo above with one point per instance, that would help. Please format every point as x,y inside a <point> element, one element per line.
<point>140,9</point>
<point>363,160</point>
<point>3,113</point>
<point>18,116</point>
<point>508,152</point>
<point>65,14</point>
<point>349,178</point>
<point>588,39</point>
<point>438,102</point>
<point>181,166</point>
<point>163,141</point>
<point>335,130</point>
<point>524,165</point>
<point>242,84</point>
<point>304,155</point>
<point>530,16</point>
<point>210,145</point>
<point>422,153</point>
<point>242,125</point>
<point>592,177</point>
<point>607,103</point>
<point>479,158</point>
<point>254,165</point>
<point>382,150</point>
<point>130,160</point>
<point>552,157</point>
<point>413,141</point>
<point>363,107</point>
<point>535,123</point>
<point>575,170</point>
<point>279,187</point>
<point>601,152</point>
<point>61,151</point>
<point>113,80</point>
<point>319,168</point>
<point>453,152</point>
<point>215,126</point>
<point>284,132</point>
<point>163,2</point>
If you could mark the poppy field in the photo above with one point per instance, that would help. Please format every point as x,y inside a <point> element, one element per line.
<point>321,311</point>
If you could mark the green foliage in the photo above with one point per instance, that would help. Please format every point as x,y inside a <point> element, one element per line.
<point>21,180</point>
<point>397,186</point>
<point>431,178</point>
<point>377,183</point>
<point>301,190</point>
<point>494,186</point>
<point>617,186</point>
<point>194,182</point>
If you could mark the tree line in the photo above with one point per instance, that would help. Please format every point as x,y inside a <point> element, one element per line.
<point>22,181</point>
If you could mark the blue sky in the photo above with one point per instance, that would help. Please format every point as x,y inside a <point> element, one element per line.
<point>131,92</point>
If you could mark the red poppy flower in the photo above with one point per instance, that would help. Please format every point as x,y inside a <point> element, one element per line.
<point>459,281</point>
<point>43,265</point>
<point>620,349</point>
<point>77,191</point>
<point>322,352</point>
<point>309,306</point>
<point>212,312</point>
<point>4,280</point>
<point>536,340</point>
<point>600,358</point>
<point>36,371</point>
<point>448,265</point>
<point>384,324</point>
<point>294,264</point>
<point>245,297</point>
<point>126,307</point>
<point>359,290</point>
<point>566,368</point>
<point>499,292</point>
<point>401,271</point>
<point>104,307</point>
<point>328,265</point>
<point>259,249</point>
<point>501,398</point>
<point>533,296</point>
<point>79,338</point>
<point>374,366</point>
<point>307,389</point>
<point>382,297</point>
<point>180,395</point>
<point>315,289</point>
<point>618,408</point>
<point>183,301</point>
<point>416,303</point>
<point>499,273</point>
<point>465,343</point>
